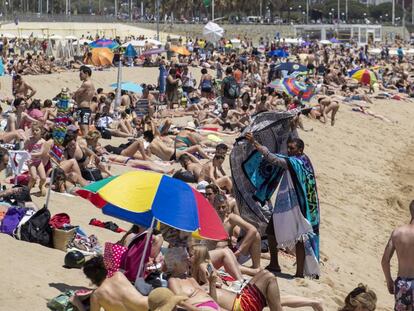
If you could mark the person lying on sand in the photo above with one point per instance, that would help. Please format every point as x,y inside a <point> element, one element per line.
<point>165,153</point>
<point>112,294</point>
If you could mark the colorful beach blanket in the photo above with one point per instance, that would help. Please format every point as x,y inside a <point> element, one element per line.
<point>252,193</point>
<point>297,211</point>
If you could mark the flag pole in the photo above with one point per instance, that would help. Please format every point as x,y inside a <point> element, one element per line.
<point>118,87</point>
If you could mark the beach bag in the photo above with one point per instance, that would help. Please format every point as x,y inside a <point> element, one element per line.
<point>132,258</point>
<point>233,89</point>
<point>62,237</point>
<point>92,174</point>
<point>37,228</point>
<point>62,302</point>
<point>29,213</point>
<point>113,255</point>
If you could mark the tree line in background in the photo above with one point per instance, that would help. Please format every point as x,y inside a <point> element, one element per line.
<point>270,11</point>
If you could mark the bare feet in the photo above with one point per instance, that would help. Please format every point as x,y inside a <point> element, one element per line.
<point>32,183</point>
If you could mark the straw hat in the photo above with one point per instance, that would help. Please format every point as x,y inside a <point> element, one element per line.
<point>163,299</point>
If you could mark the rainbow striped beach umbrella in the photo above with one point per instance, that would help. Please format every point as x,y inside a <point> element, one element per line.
<point>365,76</point>
<point>293,87</point>
<point>104,43</point>
<point>140,197</point>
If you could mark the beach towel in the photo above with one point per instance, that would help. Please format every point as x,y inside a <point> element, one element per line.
<point>12,219</point>
<point>252,192</point>
<point>297,211</point>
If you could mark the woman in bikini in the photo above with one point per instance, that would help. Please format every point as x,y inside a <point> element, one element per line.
<point>83,156</point>
<point>261,291</point>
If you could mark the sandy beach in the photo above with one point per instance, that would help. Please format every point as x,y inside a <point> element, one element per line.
<point>365,178</point>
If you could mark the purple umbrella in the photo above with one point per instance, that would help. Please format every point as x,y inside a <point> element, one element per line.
<point>335,40</point>
<point>153,51</point>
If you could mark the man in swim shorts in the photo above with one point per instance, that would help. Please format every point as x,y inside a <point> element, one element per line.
<point>401,241</point>
<point>83,97</point>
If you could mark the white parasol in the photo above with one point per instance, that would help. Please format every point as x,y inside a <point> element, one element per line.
<point>213,32</point>
<point>374,51</point>
<point>325,42</point>
<point>154,42</point>
<point>71,38</point>
<point>134,43</point>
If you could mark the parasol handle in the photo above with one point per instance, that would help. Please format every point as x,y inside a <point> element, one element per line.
<point>52,177</point>
<point>147,241</point>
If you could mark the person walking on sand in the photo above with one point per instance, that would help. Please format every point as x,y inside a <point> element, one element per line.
<point>402,242</point>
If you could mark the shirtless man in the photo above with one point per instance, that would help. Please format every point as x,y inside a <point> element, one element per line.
<point>22,89</point>
<point>212,173</point>
<point>250,244</point>
<point>191,167</point>
<point>113,294</point>
<point>401,241</point>
<point>125,100</point>
<point>83,97</point>
<point>310,60</point>
<point>165,153</point>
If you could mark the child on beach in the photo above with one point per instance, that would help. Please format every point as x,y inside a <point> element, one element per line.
<point>35,146</point>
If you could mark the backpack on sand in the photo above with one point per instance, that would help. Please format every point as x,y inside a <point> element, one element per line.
<point>37,228</point>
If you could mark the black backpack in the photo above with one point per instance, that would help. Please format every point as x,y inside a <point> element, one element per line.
<point>37,228</point>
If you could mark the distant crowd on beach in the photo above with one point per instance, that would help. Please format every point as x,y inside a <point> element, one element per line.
<point>64,143</point>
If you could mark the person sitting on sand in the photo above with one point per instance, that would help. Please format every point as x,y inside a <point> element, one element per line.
<point>248,245</point>
<point>360,299</point>
<point>85,157</point>
<point>19,118</point>
<point>105,122</point>
<point>112,294</point>
<point>212,173</point>
<point>401,242</point>
<point>22,89</point>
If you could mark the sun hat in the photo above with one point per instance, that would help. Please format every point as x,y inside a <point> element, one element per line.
<point>201,186</point>
<point>163,299</point>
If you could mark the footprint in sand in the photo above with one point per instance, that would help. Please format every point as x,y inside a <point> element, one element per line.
<point>302,282</point>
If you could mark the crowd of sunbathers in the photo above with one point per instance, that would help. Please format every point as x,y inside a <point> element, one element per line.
<point>72,132</point>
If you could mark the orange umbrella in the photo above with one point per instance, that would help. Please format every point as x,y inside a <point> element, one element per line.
<point>180,50</point>
<point>102,57</point>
